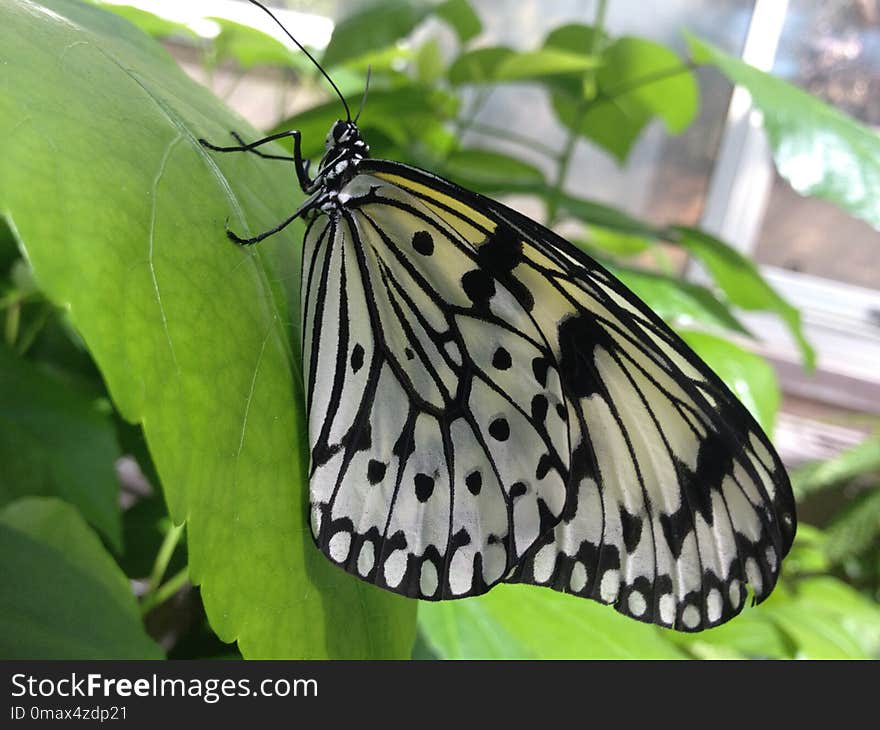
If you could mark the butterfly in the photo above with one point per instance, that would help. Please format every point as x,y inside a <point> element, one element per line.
<point>486,404</point>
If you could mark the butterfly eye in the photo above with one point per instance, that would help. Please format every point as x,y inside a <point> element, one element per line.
<point>340,131</point>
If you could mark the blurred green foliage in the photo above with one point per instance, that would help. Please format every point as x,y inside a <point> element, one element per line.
<point>60,436</point>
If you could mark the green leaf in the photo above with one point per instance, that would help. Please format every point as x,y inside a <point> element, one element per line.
<point>637,81</point>
<point>809,554</point>
<point>679,302</point>
<point>63,596</point>
<point>820,151</point>
<point>250,47</point>
<point>592,212</point>
<point>618,243</point>
<point>742,283</point>
<point>839,603</point>
<point>373,28</point>
<point>574,37</point>
<point>861,459</point>
<point>479,66</point>
<point>496,65</point>
<point>750,377</point>
<point>398,114</point>
<point>543,63</point>
<point>644,77</point>
<point>58,442</point>
<point>529,622</point>
<point>826,619</point>
<point>8,249</point>
<point>151,24</point>
<point>490,172</point>
<point>124,226</point>
<point>461,16</point>
<point>429,62</point>
<point>856,528</point>
<point>751,635</point>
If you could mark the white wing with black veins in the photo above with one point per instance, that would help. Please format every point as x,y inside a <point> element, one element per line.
<point>487,403</point>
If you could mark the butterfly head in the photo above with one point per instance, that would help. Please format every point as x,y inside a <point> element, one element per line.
<point>344,148</point>
<point>344,139</point>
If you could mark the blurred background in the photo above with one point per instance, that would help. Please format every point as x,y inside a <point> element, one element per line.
<point>717,174</point>
<point>677,192</point>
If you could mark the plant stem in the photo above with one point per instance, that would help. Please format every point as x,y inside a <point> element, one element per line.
<point>463,124</point>
<point>510,136</point>
<point>165,591</point>
<point>565,157</point>
<point>163,557</point>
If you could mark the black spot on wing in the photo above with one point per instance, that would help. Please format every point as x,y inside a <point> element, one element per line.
<point>544,465</point>
<point>474,482</point>
<point>424,485</point>
<point>499,429</point>
<point>579,335</point>
<point>501,359</point>
<point>540,367</point>
<point>423,243</point>
<point>676,527</point>
<point>357,358</point>
<point>479,288</point>
<point>499,255</point>
<point>632,529</point>
<point>539,408</point>
<point>375,471</point>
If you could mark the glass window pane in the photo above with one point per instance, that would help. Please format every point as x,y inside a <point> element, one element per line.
<point>831,49</point>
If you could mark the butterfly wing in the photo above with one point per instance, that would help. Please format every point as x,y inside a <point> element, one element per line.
<point>612,462</point>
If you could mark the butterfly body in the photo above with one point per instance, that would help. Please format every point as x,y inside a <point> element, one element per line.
<point>486,403</point>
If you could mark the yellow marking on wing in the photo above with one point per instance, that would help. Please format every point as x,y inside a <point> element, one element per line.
<point>432,194</point>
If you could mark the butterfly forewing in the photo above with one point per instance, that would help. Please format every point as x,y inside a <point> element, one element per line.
<point>488,403</point>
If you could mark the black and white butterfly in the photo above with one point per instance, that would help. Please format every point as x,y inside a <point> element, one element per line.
<point>488,404</point>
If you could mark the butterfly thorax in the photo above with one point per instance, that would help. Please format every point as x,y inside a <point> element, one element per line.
<point>345,148</point>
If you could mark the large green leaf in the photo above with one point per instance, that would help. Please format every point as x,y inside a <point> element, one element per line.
<point>372,28</point>
<point>121,214</point>
<point>595,213</point>
<point>250,47</point>
<point>63,596</point>
<point>638,80</point>
<point>462,17</point>
<point>486,171</point>
<point>818,149</point>
<point>679,302</point>
<point>56,441</point>
<point>529,622</point>
<point>154,25</point>
<point>826,619</point>
<point>742,283</point>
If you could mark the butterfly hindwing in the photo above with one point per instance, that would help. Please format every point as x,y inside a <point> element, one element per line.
<point>531,419</point>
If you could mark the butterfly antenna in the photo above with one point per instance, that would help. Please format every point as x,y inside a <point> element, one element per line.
<point>364,97</point>
<point>308,55</point>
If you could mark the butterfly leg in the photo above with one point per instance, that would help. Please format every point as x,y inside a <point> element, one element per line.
<point>305,182</point>
<point>245,147</point>
<point>265,234</point>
